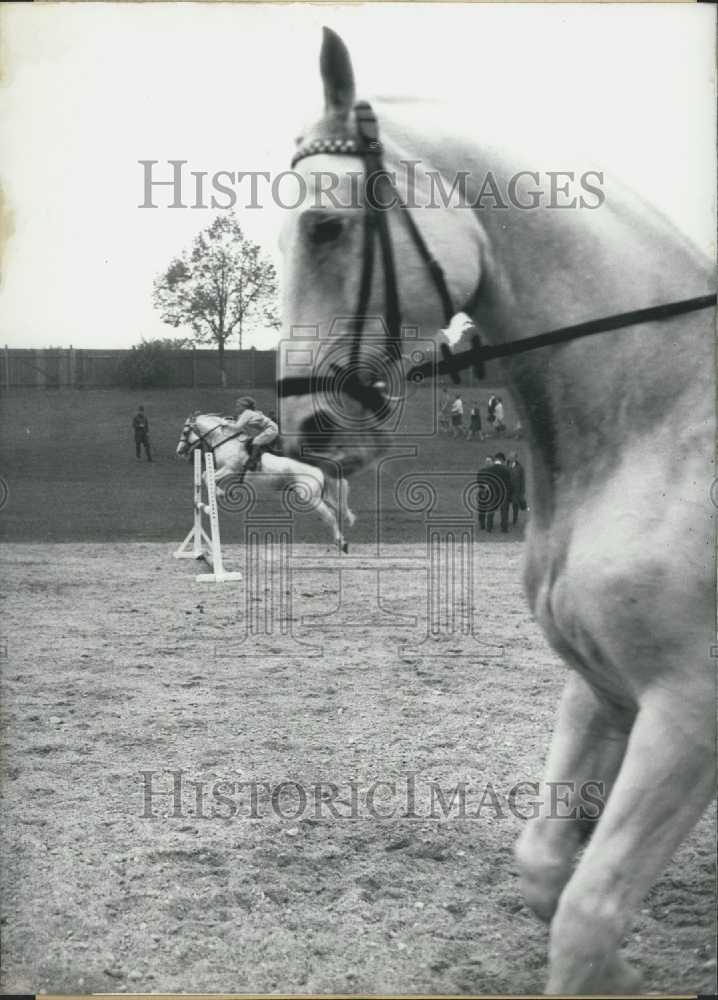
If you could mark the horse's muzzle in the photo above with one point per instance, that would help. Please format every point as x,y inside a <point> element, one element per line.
<point>326,441</point>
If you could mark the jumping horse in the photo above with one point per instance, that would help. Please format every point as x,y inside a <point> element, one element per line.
<point>314,491</point>
<point>619,554</point>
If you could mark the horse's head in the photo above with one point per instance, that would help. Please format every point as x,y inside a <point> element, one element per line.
<point>189,437</point>
<point>371,263</point>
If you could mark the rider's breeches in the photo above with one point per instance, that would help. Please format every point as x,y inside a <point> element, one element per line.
<point>265,437</point>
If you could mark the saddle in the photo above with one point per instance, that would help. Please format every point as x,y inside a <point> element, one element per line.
<point>254,453</point>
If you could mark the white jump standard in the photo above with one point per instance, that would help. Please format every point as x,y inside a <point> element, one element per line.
<point>198,544</point>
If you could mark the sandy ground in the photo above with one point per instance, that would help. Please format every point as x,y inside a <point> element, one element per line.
<point>116,662</point>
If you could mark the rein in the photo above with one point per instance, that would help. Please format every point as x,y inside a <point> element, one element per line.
<point>370,149</point>
<point>202,441</point>
<point>452,364</point>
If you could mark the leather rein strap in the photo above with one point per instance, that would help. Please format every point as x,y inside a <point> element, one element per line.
<point>202,441</point>
<point>452,364</point>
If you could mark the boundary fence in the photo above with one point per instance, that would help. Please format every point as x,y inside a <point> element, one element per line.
<point>82,368</point>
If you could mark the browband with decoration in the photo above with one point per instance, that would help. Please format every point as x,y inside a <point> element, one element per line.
<point>318,146</point>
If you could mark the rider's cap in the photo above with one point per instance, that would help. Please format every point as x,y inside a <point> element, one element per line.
<point>246,401</point>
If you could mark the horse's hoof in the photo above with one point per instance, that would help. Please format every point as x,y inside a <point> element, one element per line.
<point>616,978</point>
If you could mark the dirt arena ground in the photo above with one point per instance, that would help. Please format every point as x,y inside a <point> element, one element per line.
<point>129,691</point>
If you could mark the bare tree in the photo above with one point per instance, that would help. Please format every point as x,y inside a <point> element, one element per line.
<point>218,285</point>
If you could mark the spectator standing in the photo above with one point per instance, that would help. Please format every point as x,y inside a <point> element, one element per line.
<point>475,422</point>
<point>483,481</point>
<point>457,416</point>
<point>518,485</point>
<point>141,428</point>
<point>501,485</point>
<point>490,409</point>
<point>499,416</point>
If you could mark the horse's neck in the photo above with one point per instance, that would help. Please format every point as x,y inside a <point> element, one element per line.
<point>548,268</point>
<point>205,424</point>
<point>551,267</point>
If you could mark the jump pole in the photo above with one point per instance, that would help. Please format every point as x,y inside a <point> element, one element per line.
<point>198,544</point>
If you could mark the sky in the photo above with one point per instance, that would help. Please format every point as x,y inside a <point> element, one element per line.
<point>90,90</point>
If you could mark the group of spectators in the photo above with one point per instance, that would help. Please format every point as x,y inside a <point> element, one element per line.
<point>502,487</point>
<point>451,417</point>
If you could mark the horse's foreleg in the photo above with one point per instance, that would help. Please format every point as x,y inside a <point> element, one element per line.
<point>336,495</point>
<point>331,494</point>
<point>586,752</point>
<point>664,784</point>
<point>328,516</point>
<point>343,498</point>
<point>219,475</point>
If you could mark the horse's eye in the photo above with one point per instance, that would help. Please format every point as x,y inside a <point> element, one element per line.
<point>325,231</point>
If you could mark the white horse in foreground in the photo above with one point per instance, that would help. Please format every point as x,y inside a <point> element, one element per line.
<point>314,490</point>
<point>620,549</point>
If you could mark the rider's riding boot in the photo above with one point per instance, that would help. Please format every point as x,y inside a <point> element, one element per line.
<point>253,461</point>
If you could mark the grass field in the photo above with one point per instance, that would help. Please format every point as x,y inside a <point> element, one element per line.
<point>69,463</point>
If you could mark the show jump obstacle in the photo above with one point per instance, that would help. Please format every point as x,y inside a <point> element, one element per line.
<point>198,544</point>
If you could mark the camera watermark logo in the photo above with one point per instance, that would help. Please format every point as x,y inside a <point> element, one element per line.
<point>356,391</point>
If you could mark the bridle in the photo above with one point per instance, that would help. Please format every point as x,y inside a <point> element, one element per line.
<point>377,186</point>
<point>367,145</point>
<point>377,182</point>
<point>201,439</point>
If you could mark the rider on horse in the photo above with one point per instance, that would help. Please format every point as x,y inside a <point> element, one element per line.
<point>260,430</point>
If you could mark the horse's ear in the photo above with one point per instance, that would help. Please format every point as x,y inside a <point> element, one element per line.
<point>337,75</point>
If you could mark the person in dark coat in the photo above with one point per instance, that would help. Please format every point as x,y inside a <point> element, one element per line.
<point>500,485</point>
<point>474,423</point>
<point>486,493</point>
<point>141,428</point>
<point>518,485</point>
